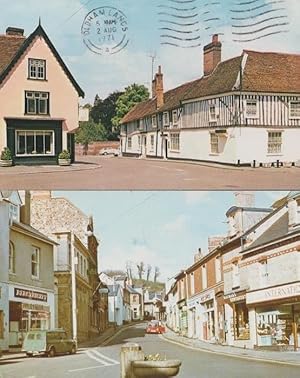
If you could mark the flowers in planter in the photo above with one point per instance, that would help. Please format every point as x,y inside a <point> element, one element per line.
<point>65,154</point>
<point>155,357</point>
<point>6,154</point>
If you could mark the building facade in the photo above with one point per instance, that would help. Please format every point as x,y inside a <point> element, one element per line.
<point>38,97</point>
<point>250,100</point>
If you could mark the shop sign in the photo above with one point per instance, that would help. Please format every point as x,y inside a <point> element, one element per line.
<point>274,293</point>
<point>206,297</point>
<point>30,294</point>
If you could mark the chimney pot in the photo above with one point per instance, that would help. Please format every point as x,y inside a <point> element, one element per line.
<point>14,31</point>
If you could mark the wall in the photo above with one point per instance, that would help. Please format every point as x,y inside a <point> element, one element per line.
<point>63,96</point>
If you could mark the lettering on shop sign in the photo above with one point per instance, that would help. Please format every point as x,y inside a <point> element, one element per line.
<point>105,30</point>
<point>30,294</point>
<point>283,292</point>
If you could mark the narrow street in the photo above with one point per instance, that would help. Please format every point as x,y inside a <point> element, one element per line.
<point>105,361</point>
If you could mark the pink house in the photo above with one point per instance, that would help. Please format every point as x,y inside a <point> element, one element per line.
<point>38,98</point>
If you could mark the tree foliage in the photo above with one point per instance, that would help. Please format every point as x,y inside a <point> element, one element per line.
<point>89,132</point>
<point>133,94</point>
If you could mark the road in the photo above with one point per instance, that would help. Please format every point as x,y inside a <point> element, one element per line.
<point>109,173</point>
<point>104,361</point>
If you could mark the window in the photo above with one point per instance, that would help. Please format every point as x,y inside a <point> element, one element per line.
<point>192,282</point>
<point>141,124</point>
<point>13,212</point>
<point>37,103</point>
<point>251,108</point>
<point>218,269</point>
<point>35,142</point>
<point>1,324</point>
<point>263,267</point>
<point>204,277</point>
<point>35,262</point>
<point>12,258</point>
<point>274,142</point>
<point>212,113</point>
<point>166,119</point>
<point>241,318</point>
<point>235,276</point>
<point>214,143</point>
<point>152,141</point>
<point>129,142</point>
<point>154,121</point>
<point>295,109</point>
<point>175,117</point>
<point>175,141</point>
<point>139,141</point>
<point>182,294</point>
<point>37,69</point>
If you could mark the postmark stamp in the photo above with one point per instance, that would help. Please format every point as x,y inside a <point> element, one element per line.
<point>105,30</point>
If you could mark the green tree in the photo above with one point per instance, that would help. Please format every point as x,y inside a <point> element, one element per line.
<point>133,94</point>
<point>89,132</point>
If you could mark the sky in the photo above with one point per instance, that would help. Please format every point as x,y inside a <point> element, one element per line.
<point>163,229</point>
<point>148,20</point>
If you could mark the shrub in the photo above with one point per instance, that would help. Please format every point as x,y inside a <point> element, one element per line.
<point>6,154</point>
<point>65,154</point>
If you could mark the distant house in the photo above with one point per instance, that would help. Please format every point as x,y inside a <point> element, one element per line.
<point>38,98</point>
<point>153,306</point>
<point>242,111</point>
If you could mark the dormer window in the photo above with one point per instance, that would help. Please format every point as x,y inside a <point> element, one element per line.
<point>295,109</point>
<point>37,69</point>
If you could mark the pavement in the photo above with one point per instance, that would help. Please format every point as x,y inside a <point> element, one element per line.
<point>284,358</point>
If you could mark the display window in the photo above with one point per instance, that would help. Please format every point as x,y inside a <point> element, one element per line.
<point>241,321</point>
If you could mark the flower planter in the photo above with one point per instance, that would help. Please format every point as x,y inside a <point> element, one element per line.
<point>287,164</point>
<point>64,162</point>
<point>155,369</point>
<point>267,165</point>
<point>6,163</point>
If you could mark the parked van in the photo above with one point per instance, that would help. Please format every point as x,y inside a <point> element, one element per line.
<point>48,343</point>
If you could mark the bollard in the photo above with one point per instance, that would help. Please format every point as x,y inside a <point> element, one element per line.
<point>130,352</point>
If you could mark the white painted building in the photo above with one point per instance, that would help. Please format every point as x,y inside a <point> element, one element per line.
<point>242,111</point>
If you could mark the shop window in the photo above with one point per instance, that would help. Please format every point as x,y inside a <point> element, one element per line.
<point>37,103</point>
<point>34,143</point>
<point>35,262</point>
<point>12,258</point>
<point>37,69</point>
<point>241,325</point>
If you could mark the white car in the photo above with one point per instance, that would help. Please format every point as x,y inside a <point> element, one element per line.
<point>110,151</point>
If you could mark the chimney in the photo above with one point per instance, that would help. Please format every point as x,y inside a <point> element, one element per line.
<point>212,55</point>
<point>25,209</point>
<point>15,31</point>
<point>158,88</point>
<point>198,256</point>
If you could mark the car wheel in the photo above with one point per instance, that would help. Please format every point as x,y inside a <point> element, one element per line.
<point>73,350</point>
<point>51,352</point>
<point>104,153</point>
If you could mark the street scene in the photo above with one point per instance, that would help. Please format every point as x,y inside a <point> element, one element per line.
<point>77,299</point>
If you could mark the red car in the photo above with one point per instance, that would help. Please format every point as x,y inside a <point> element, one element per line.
<point>155,326</point>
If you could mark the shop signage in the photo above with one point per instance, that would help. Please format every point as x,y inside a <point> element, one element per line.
<point>30,294</point>
<point>275,293</point>
<point>235,297</point>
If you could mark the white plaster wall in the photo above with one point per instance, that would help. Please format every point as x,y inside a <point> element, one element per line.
<point>252,144</point>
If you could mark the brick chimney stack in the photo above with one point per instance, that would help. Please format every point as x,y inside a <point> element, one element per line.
<point>15,31</point>
<point>212,55</point>
<point>158,88</point>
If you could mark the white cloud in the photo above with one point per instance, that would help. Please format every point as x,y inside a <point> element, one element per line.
<point>178,224</point>
<point>192,198</point>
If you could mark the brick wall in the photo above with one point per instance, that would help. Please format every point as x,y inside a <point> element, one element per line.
<point>94,148</point>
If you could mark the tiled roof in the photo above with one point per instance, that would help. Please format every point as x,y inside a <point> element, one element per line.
<point>9,46</point>
<point>264,72</point>
<point>272,72</point>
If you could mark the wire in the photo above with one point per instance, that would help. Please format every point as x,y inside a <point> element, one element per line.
<point>74,14</point>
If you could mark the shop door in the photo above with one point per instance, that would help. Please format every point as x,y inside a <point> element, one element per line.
<point>71,146</point>
<point>204,330</point>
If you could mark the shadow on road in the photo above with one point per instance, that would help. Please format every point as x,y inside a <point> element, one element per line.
<point>126,336</point>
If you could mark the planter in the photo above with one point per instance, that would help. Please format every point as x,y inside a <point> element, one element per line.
<point>6,163</point>
<point>64,162</point>
<point>267,165</point>
<point>287,164</point>
<point>155,369</point>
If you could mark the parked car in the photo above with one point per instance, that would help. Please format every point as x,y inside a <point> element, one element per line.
<point>48,343</point>
<point>110,151</point>
<point>155,326</point>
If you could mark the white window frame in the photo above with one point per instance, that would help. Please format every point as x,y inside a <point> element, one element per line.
<point>214,143</point>
<point>139,141</point>
<point>236,280</point>
<point>166,119</point>
<point>35,252</point>
<point>218,269</point>
<point>35,133</point>
<point>12,258</point>
<point>37,98</point>
<point>213,116</point>
<point>141,124</point>
<point>152,141</point>
<point>154,121</point>
<point>204,277</point>
<point>40,69</point>
<point>129,143</point>
<point>175,118</point>
<point>192,282</point>
<point>248,103</point>
<point>275,143</point>
<point>175,142</point>
<point>292,116</point>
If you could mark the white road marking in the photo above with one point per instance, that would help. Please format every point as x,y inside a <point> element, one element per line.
<point>92,356</point>
<point>105,357</point>
<point>90,368</point>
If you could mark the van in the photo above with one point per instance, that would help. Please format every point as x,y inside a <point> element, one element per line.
<point>48,343</point>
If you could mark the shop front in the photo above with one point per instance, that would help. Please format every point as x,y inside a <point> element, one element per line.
<point>193,317</point>
<point>183,318</point>
<point>208,315</point>
<point>29,309</point>
<point>277,317</point>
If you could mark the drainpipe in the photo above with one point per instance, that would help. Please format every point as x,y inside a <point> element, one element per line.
<point>73,285</point>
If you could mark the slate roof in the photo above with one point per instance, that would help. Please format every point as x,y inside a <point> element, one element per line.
<point>34,232</point>
<point>264,72</point>
<point>13,47</point>
<point>113,290</point>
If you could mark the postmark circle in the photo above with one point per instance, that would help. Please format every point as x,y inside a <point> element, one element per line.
<point>105,30</point>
